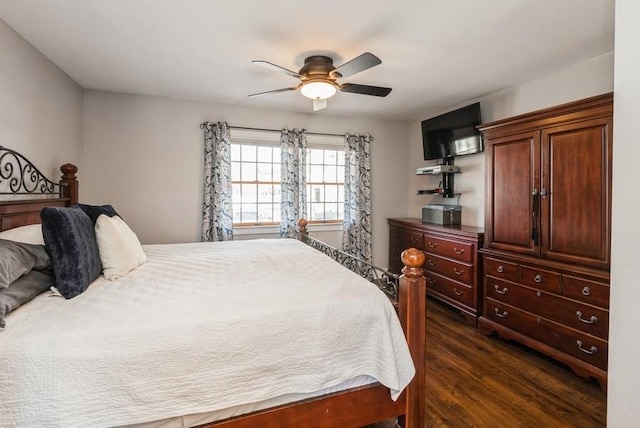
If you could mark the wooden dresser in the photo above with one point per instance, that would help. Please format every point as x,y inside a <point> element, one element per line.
<point>548,218</point>
<point>451,266</point>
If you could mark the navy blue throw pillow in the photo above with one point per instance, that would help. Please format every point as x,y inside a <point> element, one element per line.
<point>95,211</point>
<point>70,240</point>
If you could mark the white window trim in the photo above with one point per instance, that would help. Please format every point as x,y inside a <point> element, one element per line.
<point>273,139</point>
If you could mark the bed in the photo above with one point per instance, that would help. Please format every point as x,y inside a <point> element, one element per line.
<point>163,347</point>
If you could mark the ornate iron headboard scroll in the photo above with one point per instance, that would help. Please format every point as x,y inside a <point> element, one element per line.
<point>18,176</point>
<point>385,280</point>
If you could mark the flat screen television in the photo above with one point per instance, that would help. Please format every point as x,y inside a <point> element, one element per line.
<point>452,134</point>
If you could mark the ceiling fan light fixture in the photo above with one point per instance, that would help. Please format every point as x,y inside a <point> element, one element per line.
<point>318,89</point>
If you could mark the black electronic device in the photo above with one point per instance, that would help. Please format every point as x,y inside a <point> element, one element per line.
<point>452,134</point>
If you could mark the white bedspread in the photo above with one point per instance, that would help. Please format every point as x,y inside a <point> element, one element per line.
<point>199,327</point>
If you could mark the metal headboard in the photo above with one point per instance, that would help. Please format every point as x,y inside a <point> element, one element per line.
<point>18,176</point>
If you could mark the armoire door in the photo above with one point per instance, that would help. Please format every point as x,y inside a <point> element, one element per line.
<point>574,198</point>
<point>513,177</point>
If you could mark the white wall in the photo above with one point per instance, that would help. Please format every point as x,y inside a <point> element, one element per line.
<point>145,156</point>
<point>40,106</point>
<point>579,81</point>
<point>624,341</point>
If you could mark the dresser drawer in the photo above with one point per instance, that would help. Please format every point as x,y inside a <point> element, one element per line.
<point>453,249</point>
<point>454,270</point>
<point>589,319</point>
<point>591,292</point>
<point>580,345</point>
<point>541,279</point>
<point>501,269</point>
<point>454,290</point>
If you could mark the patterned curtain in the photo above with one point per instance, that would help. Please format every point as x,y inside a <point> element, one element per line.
<point>356,236</point>
<point>217,215</point>
<point>293,205</point>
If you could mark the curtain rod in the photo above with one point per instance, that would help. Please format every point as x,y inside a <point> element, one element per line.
<point>279,130</point>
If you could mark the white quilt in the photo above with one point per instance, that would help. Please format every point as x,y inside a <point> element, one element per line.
<point>199,327</point>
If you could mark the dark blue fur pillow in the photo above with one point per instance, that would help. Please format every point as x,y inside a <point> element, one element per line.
<point>95,211</point>
<point>70,240</point>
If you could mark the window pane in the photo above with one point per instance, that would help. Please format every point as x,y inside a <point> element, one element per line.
<point>248,153</point>
<point>276,195</point>
<point>265,193</point>
<point>264,154</point>
<point>235,171</point>
<point>331,193</point>
<point>249,213</point>
<point>249,193</point>
<point>277,172</point>
<point>340,174</point>
<point>276,213</point>
<point>330,174</point>
<point>315,174</point>
<point>265,212</point>
<point>341,194</point>
<point>248,171</point>
<point>235,152</point>
<point>315,193</point>
<point>236,213</point>
<point>330,157</point>
<point>331,212</point>
<point>315,156</point>
<point>264,172</point>
<point>340,157</point>
<point>237,193</point>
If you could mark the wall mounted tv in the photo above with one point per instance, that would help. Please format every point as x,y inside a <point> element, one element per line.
<point>452,134</point>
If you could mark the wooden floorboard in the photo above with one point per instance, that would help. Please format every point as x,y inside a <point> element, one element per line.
<point>479,381</point>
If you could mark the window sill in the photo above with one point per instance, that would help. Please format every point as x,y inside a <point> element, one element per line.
<point>271,229</point>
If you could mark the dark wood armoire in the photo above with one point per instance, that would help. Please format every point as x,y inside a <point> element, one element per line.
<point>546,252</point>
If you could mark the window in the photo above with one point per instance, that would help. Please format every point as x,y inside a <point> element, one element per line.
<point>255,176</point>
<point>325,184</point>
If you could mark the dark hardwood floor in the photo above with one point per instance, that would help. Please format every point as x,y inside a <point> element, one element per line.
<point>479,381</point>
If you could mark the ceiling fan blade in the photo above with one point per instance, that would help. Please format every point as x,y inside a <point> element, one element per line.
<point>274,91</point>
<point>271,66</point>
<point>319,104</point>
<point>358,64</point>
<point>354,88</point>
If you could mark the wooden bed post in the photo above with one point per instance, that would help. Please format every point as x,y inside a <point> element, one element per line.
<point>69,183</point>
<point>302,232</point>
<point>412,291</point>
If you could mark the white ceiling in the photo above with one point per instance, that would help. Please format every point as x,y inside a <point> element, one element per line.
<point>435,53</point>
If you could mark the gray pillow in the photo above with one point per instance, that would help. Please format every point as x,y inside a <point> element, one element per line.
<point>70,240</point>
<point>18,258</point>
<point>21,291</point>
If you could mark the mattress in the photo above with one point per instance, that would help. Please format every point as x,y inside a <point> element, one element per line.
<point>199,328</point>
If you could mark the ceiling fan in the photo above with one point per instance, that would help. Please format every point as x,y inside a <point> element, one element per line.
<point>319,78</point>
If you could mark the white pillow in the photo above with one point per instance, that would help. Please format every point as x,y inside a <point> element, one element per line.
<point>120,249</point>
<point>31,234</point>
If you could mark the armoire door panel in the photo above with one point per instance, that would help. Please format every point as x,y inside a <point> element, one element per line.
<point>514,176</point>
<point>575,185</point>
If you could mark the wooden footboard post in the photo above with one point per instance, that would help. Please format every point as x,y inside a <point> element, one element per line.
<point>69,183</point>
<point>412,290</point>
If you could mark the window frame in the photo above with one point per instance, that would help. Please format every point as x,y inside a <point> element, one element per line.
<point>272,139</point>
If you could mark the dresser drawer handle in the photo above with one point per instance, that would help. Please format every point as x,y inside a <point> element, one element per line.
<point>538,279</point>
<point>458,293</point>
<point>503,291</point>
<point>501,315</point>
<point>586,291</point>
<point>432,244</point>
<point>591,320</point>
<point>589,351</point>
<point>431,280</point>
<point>458,251</point>
<point>457,272</point>
<point>413,240</point>
<point>500,269</point>
<point>431,262</point>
